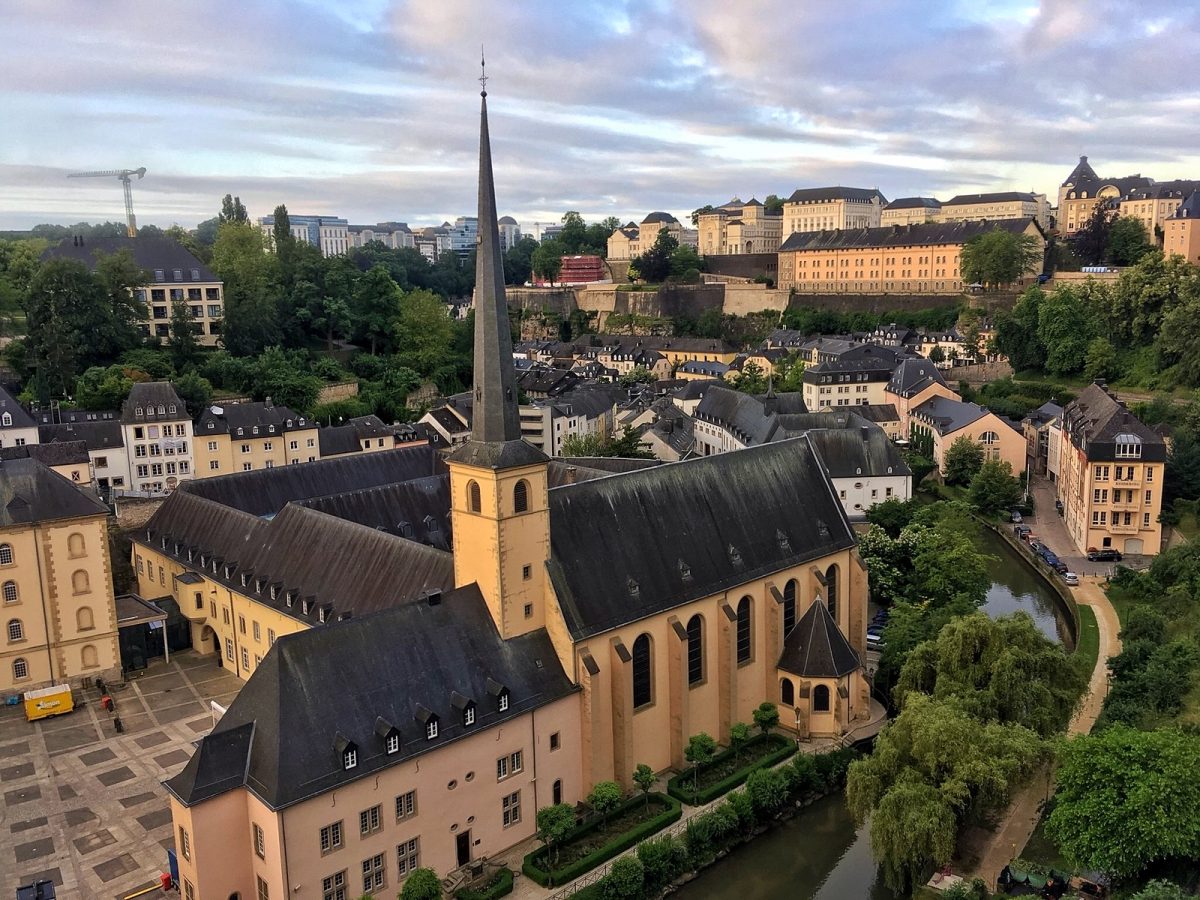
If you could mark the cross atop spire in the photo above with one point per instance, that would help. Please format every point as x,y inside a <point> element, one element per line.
<point>482,73</point>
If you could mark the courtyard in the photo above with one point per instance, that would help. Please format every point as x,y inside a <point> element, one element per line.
<point>81,804</point>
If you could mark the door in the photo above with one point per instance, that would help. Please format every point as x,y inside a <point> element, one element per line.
<point>464,847</point>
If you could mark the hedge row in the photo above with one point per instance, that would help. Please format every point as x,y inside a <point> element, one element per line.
<point>679,788</point>
<point>534,861</point>
<point>501,887</point>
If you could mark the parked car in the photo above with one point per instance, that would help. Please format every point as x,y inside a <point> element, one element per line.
<point>874,640</point>
<point>1015,516</point>
<point>1021,531</point>
<point>1107,554</point>
<point>1061,567</point>
<point>1036,546</point>
<point>1070,578</point>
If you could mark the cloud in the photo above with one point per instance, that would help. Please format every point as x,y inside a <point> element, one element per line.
<point>367,108</point>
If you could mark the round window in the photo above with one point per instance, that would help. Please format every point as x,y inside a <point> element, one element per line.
<point>452,785</point>
<point>470,776</point>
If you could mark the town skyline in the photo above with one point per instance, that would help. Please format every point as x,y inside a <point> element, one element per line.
<point>607,110</point>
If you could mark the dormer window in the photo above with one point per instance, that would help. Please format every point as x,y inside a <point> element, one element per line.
<point>392,744</point>
<point>431,728</point>
<point>211,425</point>
<point>6,419</point>
<point>502,701</point>
<point>273,592</point>
<point>304,607</point>
<point>243,579</point>
<point>290,599</point>
<point>469,715</point>
<point>162,410</point>
<point>349,759</point>
<point>1129,446</point>
<point>171,409</point>
<point>139,411</point>
<point>241,431</point>
<point>254,430</point>
<point>321,614</point>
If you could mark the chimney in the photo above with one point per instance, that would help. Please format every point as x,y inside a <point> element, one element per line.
<point>866,434</point>
<point>267,402</point>
<point>433,597</point>
<point>569,475</point>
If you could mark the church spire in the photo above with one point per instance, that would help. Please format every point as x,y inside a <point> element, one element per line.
<point>495,417</point>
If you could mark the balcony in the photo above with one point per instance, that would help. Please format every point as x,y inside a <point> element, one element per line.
<point>1131,528</point>
<point>1133,482</point>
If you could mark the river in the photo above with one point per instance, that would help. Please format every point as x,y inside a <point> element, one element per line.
<point>820,854</point>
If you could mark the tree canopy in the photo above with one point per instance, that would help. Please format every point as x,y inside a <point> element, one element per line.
<point>999,257</point>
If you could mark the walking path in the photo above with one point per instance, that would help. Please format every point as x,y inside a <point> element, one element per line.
<point>1023,813</point>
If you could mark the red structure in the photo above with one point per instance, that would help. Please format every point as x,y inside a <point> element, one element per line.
<point>578,270</point>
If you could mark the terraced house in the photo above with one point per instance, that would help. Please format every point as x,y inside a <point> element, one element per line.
<point>242,437</point>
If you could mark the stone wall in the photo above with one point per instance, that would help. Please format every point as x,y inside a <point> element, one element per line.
<point>342,390</point>
<point>872,303</point>
<point>743,265</point>
<point>744,299</point>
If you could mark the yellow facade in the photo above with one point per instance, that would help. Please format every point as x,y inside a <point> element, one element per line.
<point>1181,237</point>
<point>830,213</point>
<point>736,228</point>
<point>221,454</point>
<point>57,596</point>
<point>1111,504</point>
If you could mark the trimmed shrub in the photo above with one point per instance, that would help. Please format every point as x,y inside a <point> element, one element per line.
<point>500,886</point>
<point>804,774</point>
<point>680,787</point>
<point>625,880</point>
<point>739,802</point>
<point>663,859</point>
<point>767,790</point>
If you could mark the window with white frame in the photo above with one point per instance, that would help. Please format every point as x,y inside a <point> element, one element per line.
<point>510,807</point>
<point>260,841</point>
<point>16,630</point>
<point>349,758</point>
<point>392,744</point>
<point>431,729</point>
<point>1129,446</point>
<point>409,855</point>
<point>10,592</point>
<point>370,820</point>
<point>373,873</point>
<point>334,887</point>
<point>6,555</point>
<point>406,805</point>
<point>331,837</point>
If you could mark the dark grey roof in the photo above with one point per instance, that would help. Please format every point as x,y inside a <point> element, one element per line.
<point>914,203</point>
<point>696,388</point>
<point>149,253</point>
<point>1189,208</point>
<point>1094,421</point>
<point>264,492</point>
<point>96,435</point>
<point>1083,171</point>
<point>20,418</point>
<point>816,647</point>
<point>659,216</point>
<point>148,396</point>
<point>629,547</point>
<point>745,416</point>
<point>997,197</point>
<point>878,412</point>
<point>280,736</point>
<point>866,450</point>
<point>824,194</point>
<point>900,235</point>
<point>31,492</point>
<point>228,418</point>
<point>495,455</point>
<point>1164,190</point>
<point>418,509</point>
<point>338,440</point>
<point>875,368</point>
<point>63,453</point>
<point>912,376</point>
<point>946,416</point>
<point>74,416</point>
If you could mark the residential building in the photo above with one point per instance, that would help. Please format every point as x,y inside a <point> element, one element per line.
<point>633,240</point>
<point>1083,189</point>
<point>60,622</point>
<point>1036,427</point>
<point>100,432</point>
<point>912,383</point>
<point>996,207</point>
<point>17,427</point>
<point>173,276</point>
<point>863,464</point>
<point>242,437</point>
<point>157,433</point>
<point>630,604</point>
<point>510,233</point>
<point>329,234</point>
<point>1110,475</point>
<point>940,421</point>
<point>66,458</point>
<point>910,211</point>
<point>901,259</point>
<point>832,209</point>
<point>1154,205</point>
<point>851,380</point>
<point>363,434</point>
<point>738,227</point>
<point>1181,230</point>
<point>433,241</point>
<point>393,235</point>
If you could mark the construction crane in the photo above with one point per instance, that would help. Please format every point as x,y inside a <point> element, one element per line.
<point>122,175</point>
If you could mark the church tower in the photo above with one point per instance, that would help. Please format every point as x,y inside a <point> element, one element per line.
<point>499,483</point>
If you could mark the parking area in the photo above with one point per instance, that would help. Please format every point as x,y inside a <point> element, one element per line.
<point>1050,529</point>
<point>80,803</point>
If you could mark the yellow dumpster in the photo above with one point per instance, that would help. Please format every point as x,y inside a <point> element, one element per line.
<point>50,701</point>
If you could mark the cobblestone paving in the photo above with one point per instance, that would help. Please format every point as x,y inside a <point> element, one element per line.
<point>82,805</point>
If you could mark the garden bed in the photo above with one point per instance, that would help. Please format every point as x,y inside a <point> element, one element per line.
<point>499,886</point>
<point>729,768</point>
<point>599,840</point>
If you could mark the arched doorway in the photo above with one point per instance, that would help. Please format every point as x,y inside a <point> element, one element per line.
<point>206,635</point>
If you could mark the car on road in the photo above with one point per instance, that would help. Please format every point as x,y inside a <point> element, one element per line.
<point>1071,579</point>
<point>1106,554</point>
<point>874,639</point>
<point>1022,531</point>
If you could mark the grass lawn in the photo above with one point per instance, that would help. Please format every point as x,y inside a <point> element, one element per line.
<point>1087,648</point>
<point>618,823</point>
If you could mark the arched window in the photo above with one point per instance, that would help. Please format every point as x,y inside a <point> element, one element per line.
<point>695,649</point>
<point>521,496</point>
<point>16,631</point>
<point>89,657</point>
<point>76,546</point>
<point>557,792</point>
<point>474,500</point>
<point>820,698</point>
<point>787,692</point>
<point>20,668</point>
<point>84,619</point>
<point>6,420</point>
<point>744,642</point>
<point>989,437</point>
<point>831,589</point>
<point>789,606</point>
<point>11,595</point>
<point>80,583</point>
<point>6,555</point>
<point>642,671</point>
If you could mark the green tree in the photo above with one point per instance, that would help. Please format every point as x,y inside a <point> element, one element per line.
<point>699,751</point>
<point>1100,362</point>
<point>195,391</point>
<point>702,211</point>
<point>1092,239</point>
<point>102,388</point>
<point>375,307</point>
<point>937,355</point>
<point>892,515</point>
<point>654,265</point>
<point>546,260</point>
<point>739,734</point>
<point>1127,799</point>
<point>423,330</point>
<point>1161,890</point>
<point>518,261</point>
<point>1065,329</point>
<point>766,716</point>
<point>1128,241</point>
<point>233,211</point>
<point>636,375</point>
<point>604,798</point>
<point>61,306</point>
<point>1017,334</point>
<point>767,791</point>
<point>422,884</point>
<point>963,458</point>
<point>553,824</point>
<point>625,880</point>
<point>251,310</point>
<point>644,778</point>
<point>999,257</point>
<point>994,487</point>
<point>751,380</point>
<point>182,342</point>
<point>1179,335</point>
<point>773,204</point>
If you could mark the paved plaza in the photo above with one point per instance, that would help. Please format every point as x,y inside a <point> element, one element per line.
<point>82,805</point>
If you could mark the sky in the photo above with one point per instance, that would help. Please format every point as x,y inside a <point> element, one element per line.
<point>368,109</point>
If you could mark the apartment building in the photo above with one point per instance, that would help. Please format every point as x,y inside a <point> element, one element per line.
<point>737,227</point>
<point>939,421</point>
<point>242,437</point>
<point>1154,205</point>
<point>912,383</point>
<point>510,233</point>
<point>329,234</point>
<point>1083,189</point>
<point>832,209</point>
<point>1110,475</point>
<point>996,207</point>
<point>157,433</point>
<point>393,235</point>
<point>17,427</point>
<point>60,622</point>
<point>1181,230</point>
<point>102,435</point>
<point>850,380</point>
<point>633,240</point>
<point>910,211</point>
<point>173,275</point>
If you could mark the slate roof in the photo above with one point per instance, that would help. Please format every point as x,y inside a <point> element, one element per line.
<point>1083,170</point>
<point>816,648</point>
<point>20,418</point>
<point>1167,190</point>
<point>264,492</point>
<point>63,453</point>
<point>279,737</point>
<point>418,509</point>
<point>659,216</point>
<point>914,203</point>
<point>995,197</point>
<point>1094,420</point>
<point>1189,208</point>
<point>825,194</point>
<point>96,435</point>
<point>708,369</point>
<point>900,235</point>
<point>739,413</point>
<point>31,492</point>
<point>74,416</point>
<point>866,451</point>
<point>947,416</point>
<point>148,252</point>
<point>878,412</point>
<point>338,440</point>
<point>912,376</point>
<point>630,547</point>
<point>148,396</point>
<point>873,367</point>
<point>228,418</point>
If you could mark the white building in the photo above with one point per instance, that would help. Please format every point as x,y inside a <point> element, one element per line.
<point>510,233</point>
<point>17,427</point>
<point>103,436</point>
<point>329,234</point>
<point>157,433</point>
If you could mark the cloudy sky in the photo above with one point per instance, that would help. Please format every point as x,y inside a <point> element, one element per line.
<point>368,108</point>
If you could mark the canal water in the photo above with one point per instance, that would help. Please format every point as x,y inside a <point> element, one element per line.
<point>820,854</point>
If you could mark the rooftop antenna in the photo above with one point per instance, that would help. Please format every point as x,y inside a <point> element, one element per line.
<point>482,73</point>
